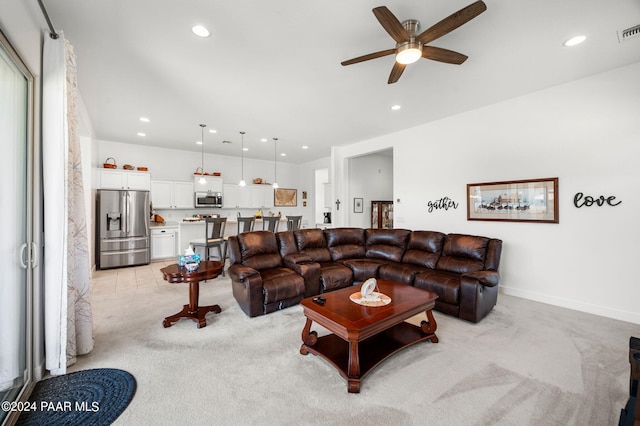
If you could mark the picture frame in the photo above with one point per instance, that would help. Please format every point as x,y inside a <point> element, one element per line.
<point>530,200</point>
<point>283,197</point>
<point>358,205</point>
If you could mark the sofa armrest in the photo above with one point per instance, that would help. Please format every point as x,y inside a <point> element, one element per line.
<point>488,278</point>
<point>293,259</point>
<point>478,294</point>
<point>309,270</point>
<point>246,285</point>
<point>240,272</point>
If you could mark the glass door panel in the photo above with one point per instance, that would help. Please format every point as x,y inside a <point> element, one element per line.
<point>15,247</point>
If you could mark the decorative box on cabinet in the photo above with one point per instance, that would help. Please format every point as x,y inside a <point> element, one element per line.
<point>166,194</point>
<point>382,214</point>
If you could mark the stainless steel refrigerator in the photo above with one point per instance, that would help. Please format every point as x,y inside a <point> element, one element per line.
<point>122,228</point>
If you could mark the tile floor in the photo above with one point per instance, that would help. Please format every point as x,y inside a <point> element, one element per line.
<point>123,279</point>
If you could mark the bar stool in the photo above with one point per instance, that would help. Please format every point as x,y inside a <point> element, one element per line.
<point>271,223</point>
<point>214,237</point>
<point>245,224</point>
<point>293,223</point>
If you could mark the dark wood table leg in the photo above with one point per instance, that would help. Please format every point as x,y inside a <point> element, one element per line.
<point>309,338</point>
<point>353,369</point>
<point>429,327</point>
<point>192,310</point>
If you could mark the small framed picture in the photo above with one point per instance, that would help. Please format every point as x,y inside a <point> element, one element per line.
<point>358,205</point>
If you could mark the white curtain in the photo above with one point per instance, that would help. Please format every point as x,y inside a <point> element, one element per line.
<point>68,319</point>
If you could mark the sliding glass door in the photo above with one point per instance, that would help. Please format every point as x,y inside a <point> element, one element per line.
<point>16,254</point>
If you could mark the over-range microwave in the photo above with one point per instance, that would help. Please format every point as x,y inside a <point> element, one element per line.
<point>208,199</point>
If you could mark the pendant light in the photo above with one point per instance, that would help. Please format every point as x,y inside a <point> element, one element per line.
<point>275,163</point>
<point>242,182</point>
<point>202,180</point>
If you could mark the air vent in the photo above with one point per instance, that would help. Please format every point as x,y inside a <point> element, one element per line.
<point>629,33</point>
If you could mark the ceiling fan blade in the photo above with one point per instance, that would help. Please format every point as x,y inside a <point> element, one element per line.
<point>369,56</point>
<point>391,24</point>
<point>452,22</point>
<point>396,72</point>
<point>443,55</point>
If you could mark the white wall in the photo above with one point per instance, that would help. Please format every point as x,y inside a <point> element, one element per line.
<point>371,180</point>
<point>586,133</point>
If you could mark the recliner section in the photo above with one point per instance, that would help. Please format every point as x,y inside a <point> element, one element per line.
<point>273,271</point>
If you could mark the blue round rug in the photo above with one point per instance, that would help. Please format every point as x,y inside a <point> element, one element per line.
<point>88,397</point>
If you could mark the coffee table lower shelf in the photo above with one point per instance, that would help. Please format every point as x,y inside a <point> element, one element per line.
<point>369,352</point>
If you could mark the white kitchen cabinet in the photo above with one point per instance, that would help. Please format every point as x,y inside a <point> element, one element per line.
<point>163,243</point>
<point>124,179</point>
<point>166,194</point>
<point>261,196</point>
<point>236,196</point>
<point>213,184</point>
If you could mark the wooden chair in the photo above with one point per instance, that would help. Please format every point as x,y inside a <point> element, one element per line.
<point>246,224</point>
<point>214,237</point>
<point>271,223</point>
<point>293,223</point>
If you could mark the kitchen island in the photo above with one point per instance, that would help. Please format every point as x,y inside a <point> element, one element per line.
<point>194,230</point>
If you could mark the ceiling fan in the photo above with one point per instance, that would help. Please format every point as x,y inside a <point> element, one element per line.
<point>411,46</point>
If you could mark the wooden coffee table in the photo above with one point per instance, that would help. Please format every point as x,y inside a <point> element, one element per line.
<point>207,270</point>
<point>364,336</point>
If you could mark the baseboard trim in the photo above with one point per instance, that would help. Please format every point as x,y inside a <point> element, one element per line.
<point>603,311</point>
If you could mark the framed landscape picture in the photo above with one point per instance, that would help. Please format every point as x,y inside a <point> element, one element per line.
<point>285,197</point>
<point>533,200</point>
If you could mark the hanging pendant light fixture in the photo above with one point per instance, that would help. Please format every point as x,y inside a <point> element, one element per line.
<point>275,162</point>
<point>242,182</point>
<point>202,180</point>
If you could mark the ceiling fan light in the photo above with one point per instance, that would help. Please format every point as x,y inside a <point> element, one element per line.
<point>409,52</point>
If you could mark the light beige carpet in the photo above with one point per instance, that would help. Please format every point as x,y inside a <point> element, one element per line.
<point>525,364</point>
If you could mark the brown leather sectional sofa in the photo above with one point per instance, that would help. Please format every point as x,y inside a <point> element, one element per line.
<point>271,271</point>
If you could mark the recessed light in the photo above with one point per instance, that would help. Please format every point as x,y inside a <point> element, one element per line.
<point>200,31</point>
<point>245,149</point>
<point>213,131</point>
<point>283,155</point>
<point>574,41</point>
<point>142,134</point>
<point>198,142</point>
<point>305,147</point>
<point>263,140</point>
<point>144,119</point>
<point>395,107</point>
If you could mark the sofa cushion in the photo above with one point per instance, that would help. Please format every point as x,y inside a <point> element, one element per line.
<point>424,248</point>
<point>463,253</point>
<point>334,275</point>
<point>259,250</point>
<point>345,243</point>
<point>313,243</point>
<point>281,284</point>
<point>386,244</point>
<point>443,283</point>
<point>363,269</point>
<point>399,272</point>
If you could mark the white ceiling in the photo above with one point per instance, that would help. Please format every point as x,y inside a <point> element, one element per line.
<point>272,68</point>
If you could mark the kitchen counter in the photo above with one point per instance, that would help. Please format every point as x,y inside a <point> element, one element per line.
<point>153,224</point>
